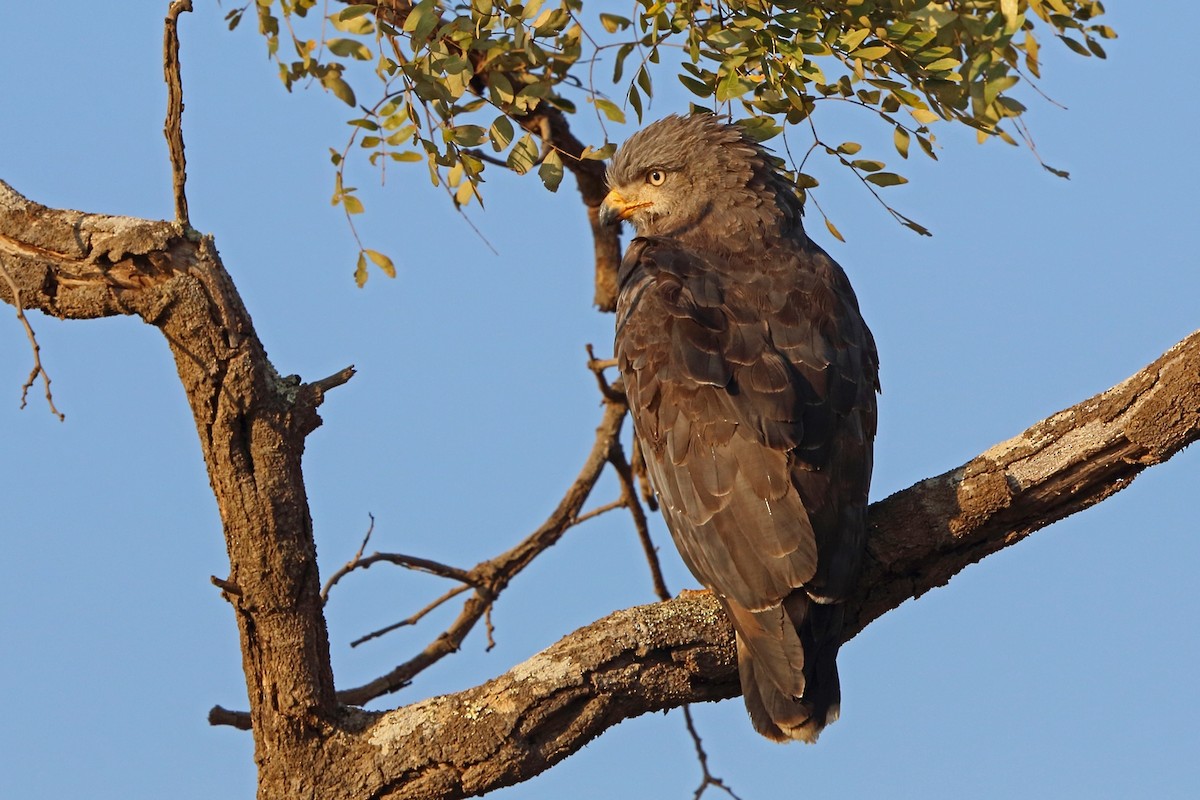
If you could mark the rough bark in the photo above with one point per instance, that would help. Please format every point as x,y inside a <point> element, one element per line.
<point>252,424</point>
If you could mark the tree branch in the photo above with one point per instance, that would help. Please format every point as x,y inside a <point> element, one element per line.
<point>922,536</point>
<point>664,655</point>
<point>38,368</point>
<point>173,127</point>
<point>252,423</point>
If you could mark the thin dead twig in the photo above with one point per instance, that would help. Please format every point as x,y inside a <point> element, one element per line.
<point>638,464</point>
<point>350,565</point>
<point>37,369</point>
<point>707,778</point>
<point>418,564</point>
<point>414,618</point>
<point>629,498</point>
<point>597,366</point>
<point>598,510</point>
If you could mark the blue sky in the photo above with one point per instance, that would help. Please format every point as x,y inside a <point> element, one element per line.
<point>1062,667</point>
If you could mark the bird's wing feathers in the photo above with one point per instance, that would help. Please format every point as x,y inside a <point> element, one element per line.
<point>742,378</point>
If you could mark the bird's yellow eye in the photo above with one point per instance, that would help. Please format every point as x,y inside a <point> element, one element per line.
<point>655,177</point>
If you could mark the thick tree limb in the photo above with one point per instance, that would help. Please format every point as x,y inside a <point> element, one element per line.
<point>659,656</point>
<point>252,424</point>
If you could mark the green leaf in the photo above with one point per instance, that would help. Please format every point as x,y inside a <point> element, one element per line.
<point>383,262</point>
<point>501,133</point>
<point>349,47</point>
<point>502,87</point>
<point>610,109</point>
<point>613,23</point>
<point>407,156</point>
<point>551,170</point>
<point>871,53</point>
<point>886,179</point>
<point>468,135</point>
<point>523,155</point>
<point>598,154</point>
<point>635,101</point>
<point>901,139</point>
<point>760,129</point>
<point>643,80</point>
<point>853,38</point>
<point>944,65</point>
<point>849,148</point>
<point>353,12</point>
<point>921,229</point>
<point>867,165</point>
<point>360,271</point>
<point>465,192</point>
<point>1074,45</point>
<point>833,229</point>
<point>698,88</point>
<point>421,20</point>
<point>352,204</point>
<point>923,115</point>
<point>732,86</point>
<point>619,62</point>
<point>341,90</point>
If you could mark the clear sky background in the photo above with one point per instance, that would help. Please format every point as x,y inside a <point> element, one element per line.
<point>1062,667</point>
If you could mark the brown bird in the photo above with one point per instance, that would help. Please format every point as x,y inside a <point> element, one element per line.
<point>751,379</point>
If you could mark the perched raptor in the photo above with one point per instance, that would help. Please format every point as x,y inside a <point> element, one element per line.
<point>751,378</point>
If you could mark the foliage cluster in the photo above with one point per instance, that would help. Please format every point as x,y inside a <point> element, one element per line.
<point>460,85</point>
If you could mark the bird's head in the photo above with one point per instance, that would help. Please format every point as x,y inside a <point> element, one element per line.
<point>682,174</point>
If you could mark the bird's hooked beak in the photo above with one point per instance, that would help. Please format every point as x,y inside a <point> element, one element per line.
<point>616,207</point>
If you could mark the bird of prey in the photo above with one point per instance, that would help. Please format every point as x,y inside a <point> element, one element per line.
<point>751,380</point>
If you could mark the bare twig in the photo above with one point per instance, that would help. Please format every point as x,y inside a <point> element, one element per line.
<point>707,779</point>
<point>638,464</point>
<point>629,498</point>
<point>350,565</point>
<point>598,510</point>
<point>597,366</point>
<point>490,628</point>
<point>414,618</point>
<point>339,378</point>
<point>173,128</point>
<point>419,564</point>
<point>37,368</point>
<point>235,719</point>
<point>226,587</point>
